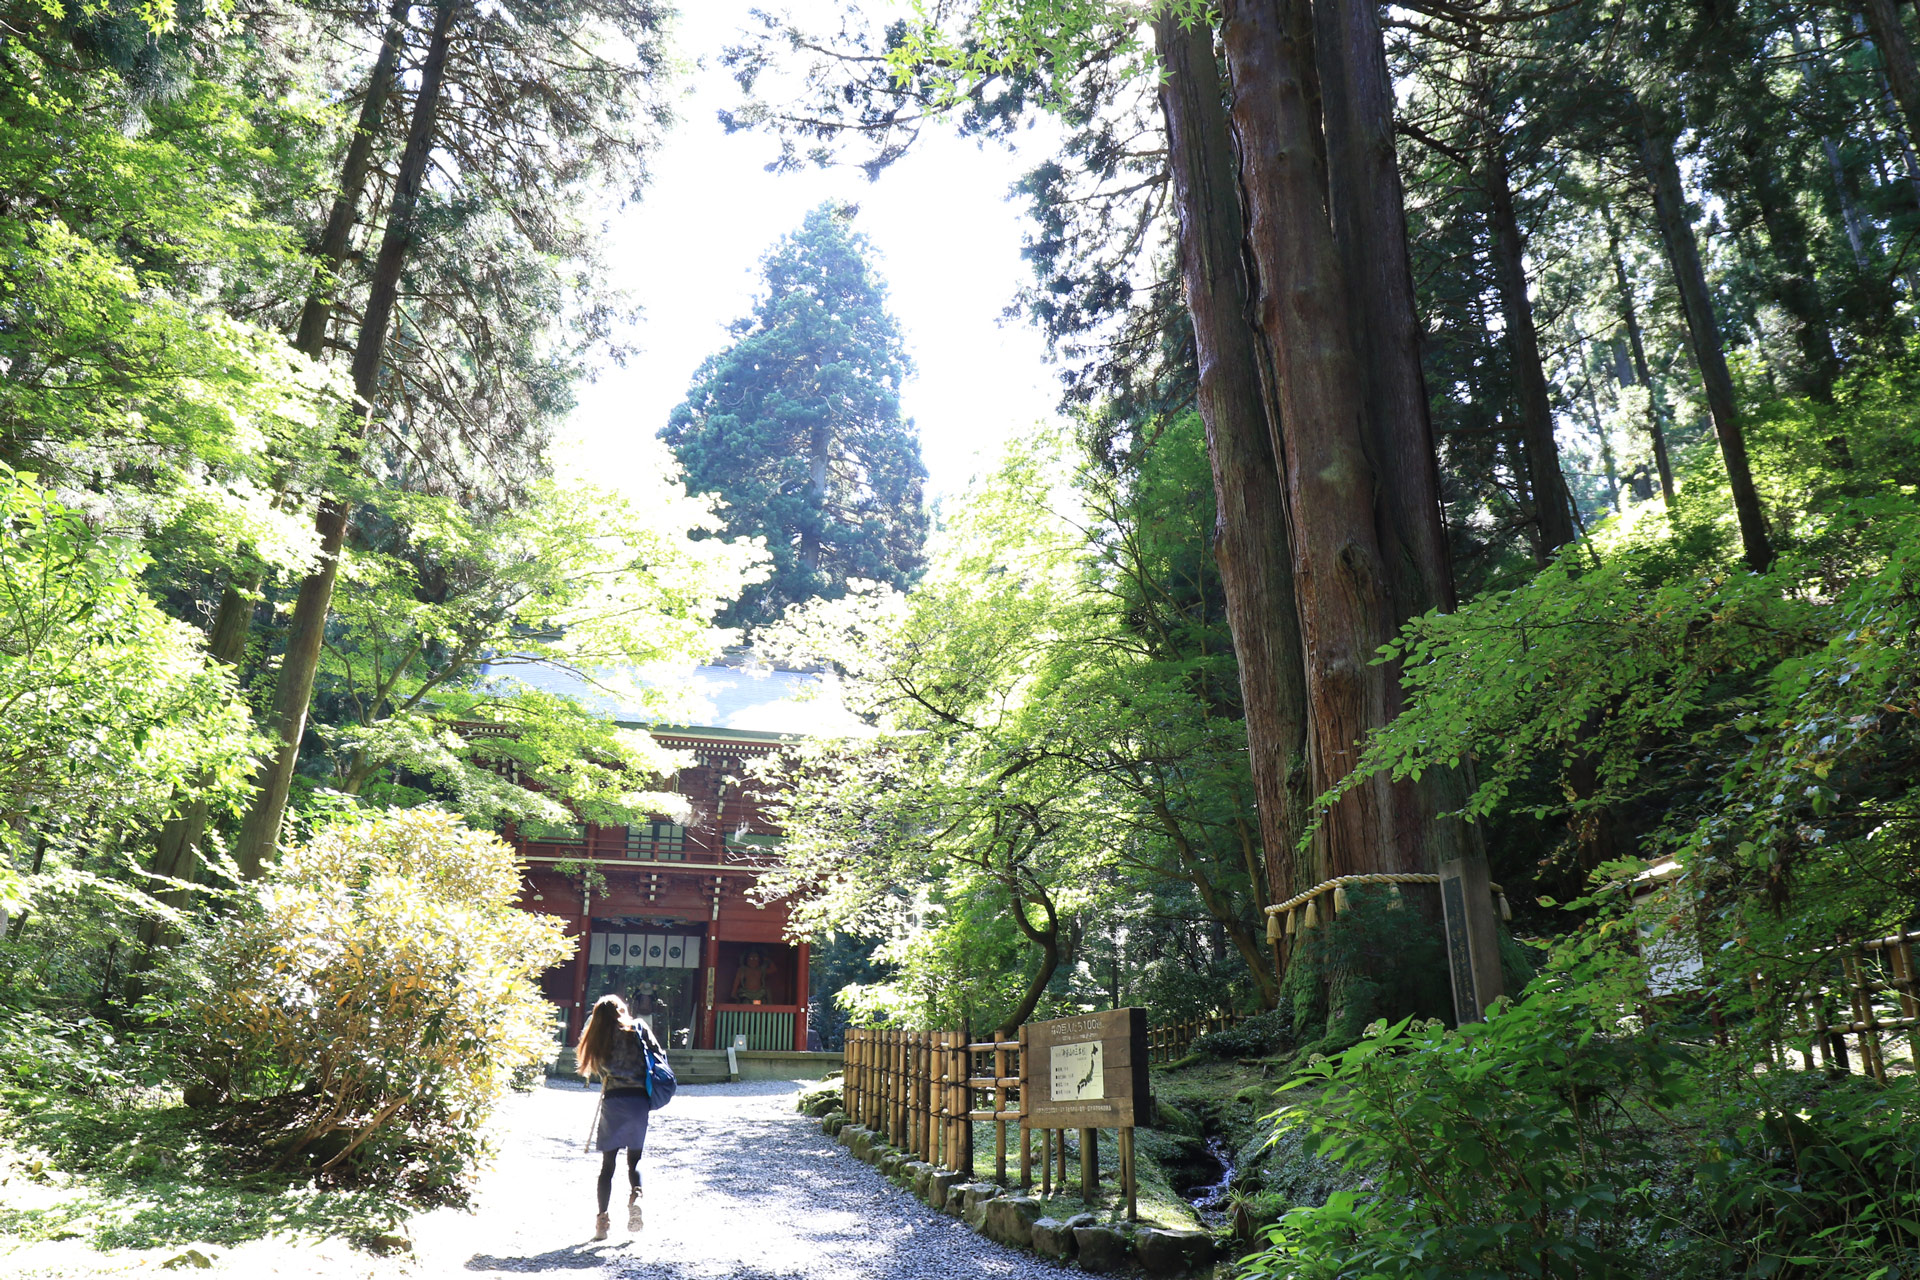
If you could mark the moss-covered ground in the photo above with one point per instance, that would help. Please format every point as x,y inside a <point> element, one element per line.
<point>141,1173</point>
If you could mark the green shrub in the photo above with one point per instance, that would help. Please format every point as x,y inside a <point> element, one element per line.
<point>1566,1137</point>
<point>1262,1034</point>
<point>1505,1148</point>
<point>43,1054</point>
<point>374,998</point>
<point>819,1099</point>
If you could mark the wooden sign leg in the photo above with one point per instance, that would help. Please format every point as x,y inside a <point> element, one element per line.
<point>1090,1165</point>
<point>1026,1158</point>
<point>1127,1175</point>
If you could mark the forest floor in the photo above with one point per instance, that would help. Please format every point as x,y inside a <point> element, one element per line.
<point>739,1185</point>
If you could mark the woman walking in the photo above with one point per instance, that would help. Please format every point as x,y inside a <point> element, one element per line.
<point>616,1048</point>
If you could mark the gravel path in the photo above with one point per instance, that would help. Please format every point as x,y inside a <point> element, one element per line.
<point>739,1185</point>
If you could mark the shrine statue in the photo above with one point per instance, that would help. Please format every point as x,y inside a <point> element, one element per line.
<point>753,982</point>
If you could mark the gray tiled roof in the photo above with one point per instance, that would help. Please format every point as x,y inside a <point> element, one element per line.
<point>736,699</point>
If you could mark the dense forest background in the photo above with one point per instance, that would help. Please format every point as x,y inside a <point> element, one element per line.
<point>1491,433</point>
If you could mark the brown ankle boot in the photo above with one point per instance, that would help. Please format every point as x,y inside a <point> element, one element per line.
<point>633,1211</point>
<point>601,1225</point>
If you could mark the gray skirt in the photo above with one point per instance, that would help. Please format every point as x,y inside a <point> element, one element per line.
<point>622,1123</point>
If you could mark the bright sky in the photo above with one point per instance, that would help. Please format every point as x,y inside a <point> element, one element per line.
<point>949,248</point>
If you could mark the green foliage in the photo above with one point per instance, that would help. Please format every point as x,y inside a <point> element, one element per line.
<point>1568,1136</point>
<point>797,427</point>
<point>123,367</point>
<point>1506,1148</point>
<point>374,999</point>
<point>1060,758</point>
<point>428,639</point>
<point>110,706</point>
<point>1262,1034</point>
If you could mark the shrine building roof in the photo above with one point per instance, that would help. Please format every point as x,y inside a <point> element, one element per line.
<point>738,701</point>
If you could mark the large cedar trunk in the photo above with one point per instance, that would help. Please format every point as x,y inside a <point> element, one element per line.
<point>1703,332</point>
<point>1368,212</point>
<point>1252,544</point>
<point>1300,307</point>
<point>293,691</point>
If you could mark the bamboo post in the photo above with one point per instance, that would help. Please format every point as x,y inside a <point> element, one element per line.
<point>936,1095</point>
<point>966,1098</point>
<point>1901,956</point>
<point>855,1095</point>
<point>1865,1020</point>
<point>925,1134</point>
<point>900,1102</point>
<point>1026,1135</point>
<point>947,1096</point>
<point>883,1074</point>
<point>999,1110</point>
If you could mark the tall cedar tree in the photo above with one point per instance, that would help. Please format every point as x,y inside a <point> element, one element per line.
<point>797,426</point>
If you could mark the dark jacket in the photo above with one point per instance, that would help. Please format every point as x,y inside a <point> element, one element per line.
<point>625,1070</point>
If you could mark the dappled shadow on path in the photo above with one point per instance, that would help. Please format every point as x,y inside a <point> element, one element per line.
<point>573,1257</point>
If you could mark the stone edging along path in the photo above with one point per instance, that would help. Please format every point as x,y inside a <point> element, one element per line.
<point>1015,1219</point>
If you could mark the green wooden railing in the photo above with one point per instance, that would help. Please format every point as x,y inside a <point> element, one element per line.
<point>763,1028</point>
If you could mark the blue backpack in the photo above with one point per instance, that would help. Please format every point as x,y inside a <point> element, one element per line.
<point>660,1081</point>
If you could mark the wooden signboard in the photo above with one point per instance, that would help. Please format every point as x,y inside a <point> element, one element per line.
<point>1088,1072</point>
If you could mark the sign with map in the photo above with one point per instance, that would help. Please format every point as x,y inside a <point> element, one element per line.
<point>1076,1072</point>
<point>1088,1072</point>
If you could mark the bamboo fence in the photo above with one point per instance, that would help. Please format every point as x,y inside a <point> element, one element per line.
<point>1864,991</point>
<point>1169,1041</point>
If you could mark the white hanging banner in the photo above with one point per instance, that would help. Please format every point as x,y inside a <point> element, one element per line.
<point>597,949</point>
<point>676,953</point>
<point>655,955</point>
<point>616,948</point>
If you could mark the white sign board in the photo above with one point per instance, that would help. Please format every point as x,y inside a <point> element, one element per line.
<point>1078,1072</point>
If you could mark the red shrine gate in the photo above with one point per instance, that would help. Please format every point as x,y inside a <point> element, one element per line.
<point>675,932</point>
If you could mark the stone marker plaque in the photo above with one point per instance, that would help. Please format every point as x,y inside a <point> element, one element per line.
<point>1088,1072</point>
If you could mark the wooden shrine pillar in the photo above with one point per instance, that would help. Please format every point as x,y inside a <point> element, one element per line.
<point>703,1023</point>
<point>801,985</point>
<point>576,1016</point>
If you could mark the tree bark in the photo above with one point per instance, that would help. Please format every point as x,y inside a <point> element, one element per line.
<point>1896,55</point>
<point>1703,332</point>
<point>1047,939</point>
<point>1656,412</point>
<point>1368,211</point>
<point>1251,541</point>
<point>293,691</point>
<point>1300,308</point>
<point>1523,349</point>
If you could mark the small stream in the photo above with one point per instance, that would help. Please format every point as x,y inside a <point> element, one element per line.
<point>1209,1199</point>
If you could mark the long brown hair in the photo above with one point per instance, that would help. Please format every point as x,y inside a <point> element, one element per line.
<point>608,1019</point>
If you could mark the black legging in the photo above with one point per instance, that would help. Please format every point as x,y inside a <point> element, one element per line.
<point>607,1160</point>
